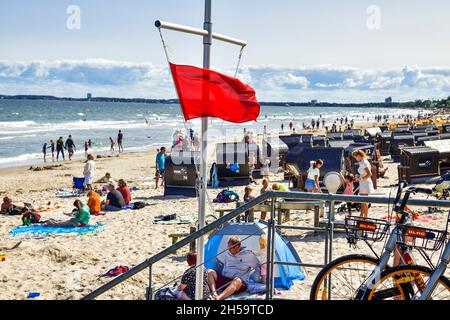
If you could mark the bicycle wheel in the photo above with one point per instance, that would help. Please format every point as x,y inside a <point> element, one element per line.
<point>406,282</point>
<point>341,278</point>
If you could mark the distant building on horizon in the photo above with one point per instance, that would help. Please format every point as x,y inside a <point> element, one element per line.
<point>89,96</point>
<point>388,100</point>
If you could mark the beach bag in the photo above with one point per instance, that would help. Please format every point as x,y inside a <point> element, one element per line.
<point>165,294</point>
<point>234,167</point>
<point>139,205</point>
<point>226,196</point>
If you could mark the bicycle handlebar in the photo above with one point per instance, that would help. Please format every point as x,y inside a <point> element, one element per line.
<point>401,185</point>
<point>420,190</point>
<point>399,208</point>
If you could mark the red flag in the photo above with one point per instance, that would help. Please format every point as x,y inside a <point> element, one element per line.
<point>205,93</point>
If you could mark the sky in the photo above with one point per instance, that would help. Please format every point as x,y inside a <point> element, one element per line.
<point>298,50</point>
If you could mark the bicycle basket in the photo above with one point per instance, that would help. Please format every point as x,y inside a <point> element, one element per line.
<point>366,228</point>
<point>421,238</point>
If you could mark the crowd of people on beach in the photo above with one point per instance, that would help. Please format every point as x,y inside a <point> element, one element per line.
<point>344,123</point>
<point>69,145</point>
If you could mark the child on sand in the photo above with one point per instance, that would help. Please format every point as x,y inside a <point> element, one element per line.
<point>262,257</point>
<point>247,198</point>
<point>278,187</point>
<point>348,180</point>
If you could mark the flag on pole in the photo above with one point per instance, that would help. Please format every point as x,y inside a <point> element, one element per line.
<point>205,93</point>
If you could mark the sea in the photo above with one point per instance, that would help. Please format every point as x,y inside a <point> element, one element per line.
<point>25,125</point>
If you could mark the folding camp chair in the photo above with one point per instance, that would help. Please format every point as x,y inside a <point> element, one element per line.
<point>78,184</point>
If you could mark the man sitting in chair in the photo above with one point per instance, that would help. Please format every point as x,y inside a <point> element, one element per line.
<point>238,264</point>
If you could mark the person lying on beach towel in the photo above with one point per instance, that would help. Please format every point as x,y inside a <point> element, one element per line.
<point>114,200</point>
<point>9,207</point>
<point>81,219</point>
<point>47,208</point>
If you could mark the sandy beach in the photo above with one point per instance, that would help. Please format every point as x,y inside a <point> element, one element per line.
<point>68,267</point>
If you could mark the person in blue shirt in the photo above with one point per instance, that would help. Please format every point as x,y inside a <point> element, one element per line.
<point>160,166</point>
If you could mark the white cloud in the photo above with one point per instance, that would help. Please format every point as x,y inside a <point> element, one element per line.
<point>272,82</point>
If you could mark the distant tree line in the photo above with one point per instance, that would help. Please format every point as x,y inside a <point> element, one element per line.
<point>422,104</point>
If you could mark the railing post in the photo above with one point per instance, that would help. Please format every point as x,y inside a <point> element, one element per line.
<point>329,249</point>
<point>150,289</point>
<point>331,221</point>
<point>270,252</point>
<point>192,244</point>
<point>316,217</point>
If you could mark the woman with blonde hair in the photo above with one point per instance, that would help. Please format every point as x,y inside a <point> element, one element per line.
<point>262,257</point>
<point>365,178</point>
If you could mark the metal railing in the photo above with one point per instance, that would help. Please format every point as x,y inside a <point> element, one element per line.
<point>273,196</point>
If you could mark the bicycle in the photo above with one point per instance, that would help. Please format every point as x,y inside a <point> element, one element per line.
<point>352,276</point>
<point>420,282</point>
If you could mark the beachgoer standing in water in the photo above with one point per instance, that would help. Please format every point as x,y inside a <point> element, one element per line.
<point>111,140</point>
<point>52,147</point>
<point>90,143</point>
<point>44,151</point>
<point>160,166</point>
<point>70,146</point>
<point>119,141</point>
<point>312,183</point>
<point>86,148</point>
<point>60,148</point>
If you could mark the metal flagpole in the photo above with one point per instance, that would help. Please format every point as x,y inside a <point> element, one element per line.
<point>208,36</point>
<point>207,42</point>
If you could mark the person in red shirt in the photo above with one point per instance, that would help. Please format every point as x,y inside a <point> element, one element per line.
<point>125,191</point>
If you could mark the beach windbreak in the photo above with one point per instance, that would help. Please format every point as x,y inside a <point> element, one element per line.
<point>206,93</point>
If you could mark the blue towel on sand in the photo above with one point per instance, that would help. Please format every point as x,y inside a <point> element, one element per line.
<point>42,231</point>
